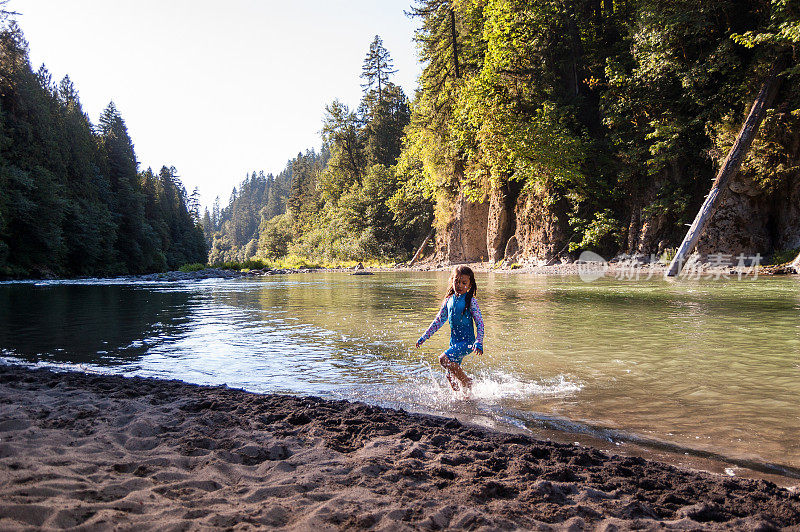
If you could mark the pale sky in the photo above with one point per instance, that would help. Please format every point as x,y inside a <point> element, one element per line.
<point>217,89</point>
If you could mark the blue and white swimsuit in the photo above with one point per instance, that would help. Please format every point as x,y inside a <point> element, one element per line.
<point>462,335</point>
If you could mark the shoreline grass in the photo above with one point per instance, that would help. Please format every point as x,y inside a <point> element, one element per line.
<point>289,262</point>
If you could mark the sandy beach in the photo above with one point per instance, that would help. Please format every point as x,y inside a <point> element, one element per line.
<point>86,451</point>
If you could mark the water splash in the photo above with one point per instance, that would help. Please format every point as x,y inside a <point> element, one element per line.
<point>494,386</point>
<point>426,388</point>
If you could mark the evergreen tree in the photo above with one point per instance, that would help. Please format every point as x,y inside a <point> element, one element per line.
<point>31,197</point>
<point>384,122</point>
<point>303,198</point>
<point>208,228</point>
<point>377,68</point>
<point>89,228</point>
<point>71,200</point>
<point>136,246</point>
<point>342,130</point>
<point>237,226</point>
<point>215,215</point>
<point>193,204</point>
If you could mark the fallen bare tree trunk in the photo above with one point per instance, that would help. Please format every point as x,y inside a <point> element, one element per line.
<point>730,167</point>
<point>422,247</point>
<point>796,264</point>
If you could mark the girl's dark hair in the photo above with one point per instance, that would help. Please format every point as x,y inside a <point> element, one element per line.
<point>473,288</point>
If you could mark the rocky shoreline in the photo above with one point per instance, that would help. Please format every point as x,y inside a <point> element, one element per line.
<point>217,273</point>
<point>624,269</point>
<point>619,270</point>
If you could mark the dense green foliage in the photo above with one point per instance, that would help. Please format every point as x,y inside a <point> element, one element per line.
<point>344,208</point>
<point>357,199</point>
<point>607,116</point>
<point>620,108</point>
<point>611,114</point>
<point>72,201</point>
<point>233,232</point>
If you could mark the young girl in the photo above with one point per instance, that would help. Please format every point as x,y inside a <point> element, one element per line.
<point>460,309</point>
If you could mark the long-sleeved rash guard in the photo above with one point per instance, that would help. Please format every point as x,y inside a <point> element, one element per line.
<point>462,335</point>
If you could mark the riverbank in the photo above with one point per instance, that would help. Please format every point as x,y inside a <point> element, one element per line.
<point>619,270</point>
<point>106,451</point>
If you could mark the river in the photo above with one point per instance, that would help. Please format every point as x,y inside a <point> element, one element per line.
<point>701,367</point>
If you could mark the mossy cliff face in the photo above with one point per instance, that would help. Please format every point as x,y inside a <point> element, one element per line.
<point>759,213</point>
<point>752,220</point>
<point>542,230</point>
<point>789,218</point>
<point>502,226</point>
<point>464,236</point>
<point>526,226</point>
<point>529,226</point>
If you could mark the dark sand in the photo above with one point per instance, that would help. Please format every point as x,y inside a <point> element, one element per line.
<point>105,452</point>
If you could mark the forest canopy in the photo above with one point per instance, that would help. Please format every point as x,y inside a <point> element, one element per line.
<point>355,199</point>
<point>572,125</point>
<point>72,198</point>
<point>539,129</point>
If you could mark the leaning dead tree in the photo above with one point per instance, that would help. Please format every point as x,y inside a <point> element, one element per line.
<point>421,248</point>
<point>730,167</point>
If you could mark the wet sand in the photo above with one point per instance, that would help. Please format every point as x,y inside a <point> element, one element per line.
<point>107,452</point>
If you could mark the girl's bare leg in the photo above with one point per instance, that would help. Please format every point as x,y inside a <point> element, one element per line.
<point>454,372</point>
<point>452,380</point>
<point>466,382</point>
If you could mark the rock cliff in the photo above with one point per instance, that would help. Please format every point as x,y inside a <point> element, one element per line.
<point>751,220</point>
<point>527,226</point>
<point>464,237</point>
<point>511,224</point>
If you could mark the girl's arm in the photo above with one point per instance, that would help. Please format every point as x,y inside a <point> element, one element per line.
<point>435,324</point>
<point>476,315</point>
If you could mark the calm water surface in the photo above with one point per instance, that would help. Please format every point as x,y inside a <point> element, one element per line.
<point>699,367</point>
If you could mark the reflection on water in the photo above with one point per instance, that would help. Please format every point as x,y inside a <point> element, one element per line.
<point>88,324</point>
<point>709,366</point>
